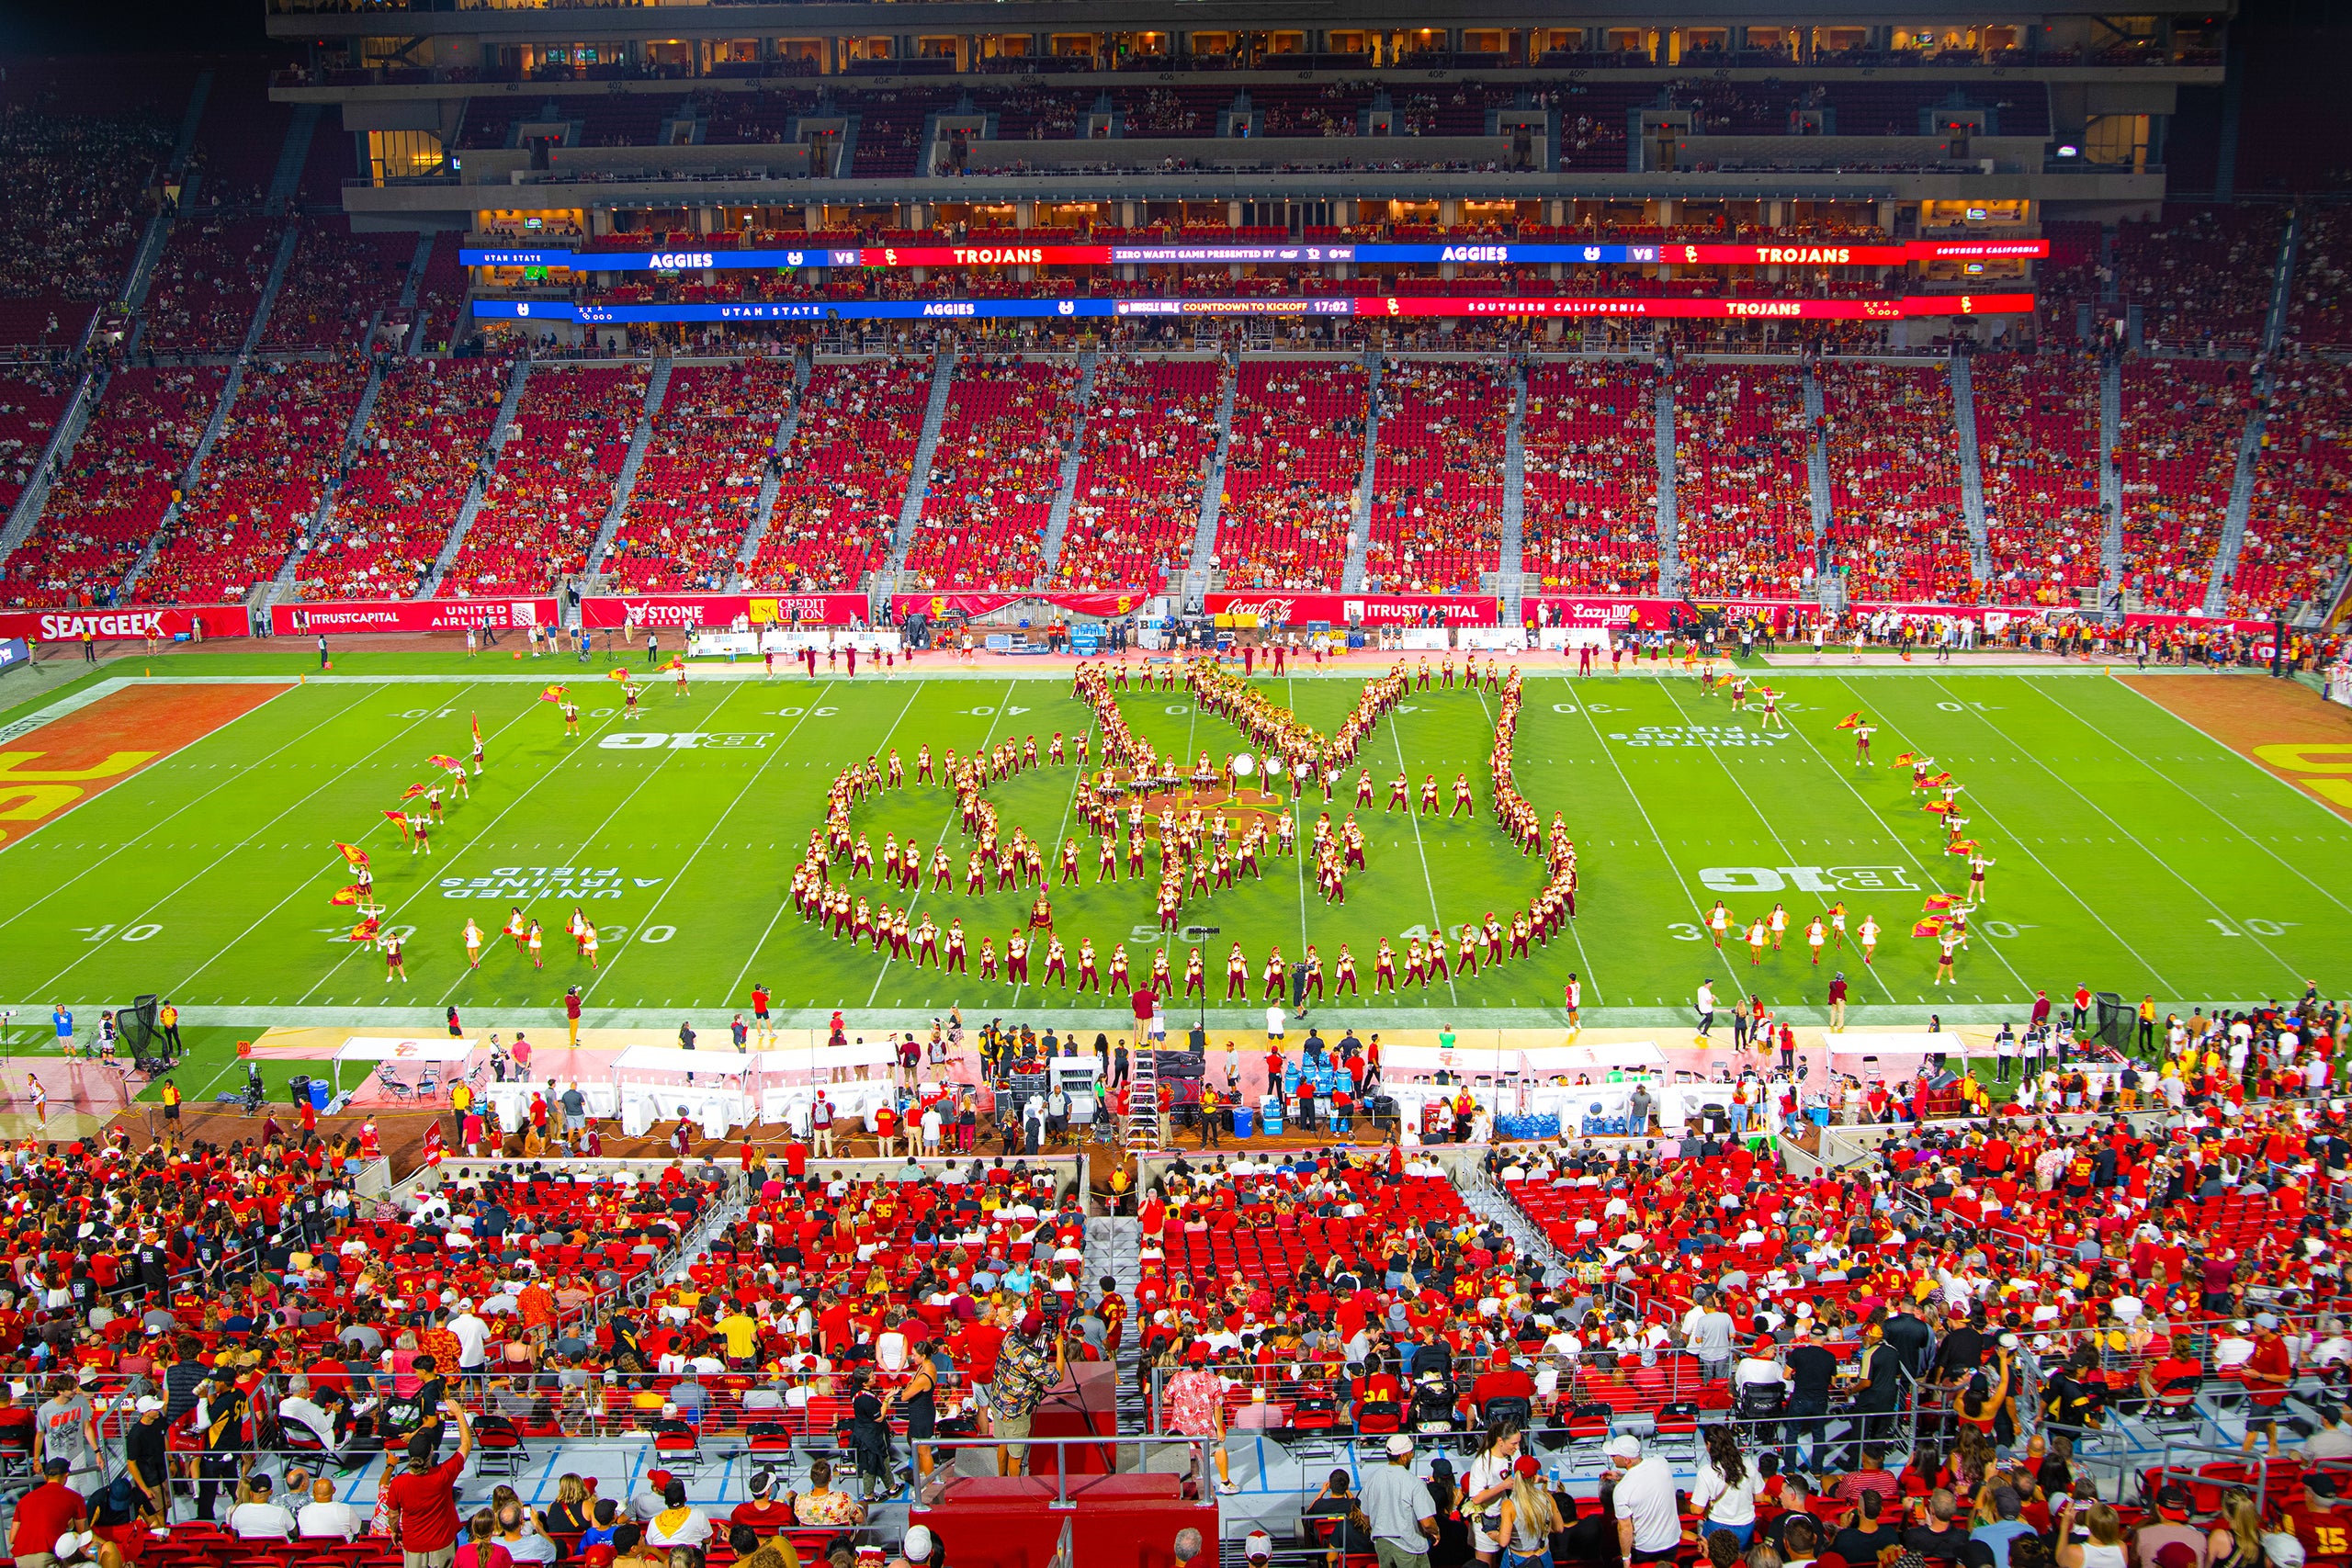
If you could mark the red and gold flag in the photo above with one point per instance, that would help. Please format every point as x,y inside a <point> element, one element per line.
<point>353,853</point>
<point>349,894</point>
<point>1850,721</point>
<point>552,695</point>
<point>399,819</point>
<point>1929,927</point>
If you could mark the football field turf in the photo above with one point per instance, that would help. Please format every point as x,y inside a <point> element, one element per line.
<point>2133,853</point>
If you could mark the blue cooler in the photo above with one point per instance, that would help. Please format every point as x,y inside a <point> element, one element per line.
<point>1270,1115</point>
<point>1242,1116</point>
<point>319,1093</point>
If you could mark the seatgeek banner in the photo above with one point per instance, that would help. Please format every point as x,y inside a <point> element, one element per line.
<point>67,625</point>
<point>341,617</point>
<point>720,611</point>
<point>1894,308</point>
<point>1795,253</point>
<point>1279,609</point>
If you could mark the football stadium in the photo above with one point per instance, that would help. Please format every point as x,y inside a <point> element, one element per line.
<point>1371,788</point>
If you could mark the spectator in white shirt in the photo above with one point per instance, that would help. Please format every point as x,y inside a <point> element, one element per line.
<point>325,1516</point>
<point>260,1517</point>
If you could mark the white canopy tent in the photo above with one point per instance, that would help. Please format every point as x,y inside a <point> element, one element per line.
<point>718,1089</point>
<point>1628,1056</point>
<point>437,1057</point>
<point>1889,1055</point>
<point>1406,1062</point>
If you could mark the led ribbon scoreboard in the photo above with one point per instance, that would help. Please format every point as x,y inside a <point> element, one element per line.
<point>1802,253</point>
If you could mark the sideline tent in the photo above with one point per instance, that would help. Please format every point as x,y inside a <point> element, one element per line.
<point>445,1058</point>
<point>649,1082</point>
<point>1625,1055</point>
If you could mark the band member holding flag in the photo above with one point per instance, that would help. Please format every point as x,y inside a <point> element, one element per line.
<point>476,718</point>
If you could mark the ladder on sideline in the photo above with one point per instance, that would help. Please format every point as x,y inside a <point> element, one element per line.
<point>1143,1089</point>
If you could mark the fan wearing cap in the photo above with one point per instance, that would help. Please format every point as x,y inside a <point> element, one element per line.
<point>922,1549</point>
<point>2169,1541</point>
<point>2324,1528</point>
<point>1399,1507</point>
<point>44,1514</point>
<point>764,1513</point>
<point>1649,1520</point>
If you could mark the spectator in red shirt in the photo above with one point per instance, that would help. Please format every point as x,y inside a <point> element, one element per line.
<point>2267,1376</point>
<point>1501,1381</point>
<point>424,1499</point>
<point>45,1513</point>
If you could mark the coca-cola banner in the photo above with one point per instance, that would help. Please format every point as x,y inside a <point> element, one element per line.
<point>1355,609</point>
<point>722,610</point>
<point>67,625</point>
<point>1107,603</point>
<point>341,617</point>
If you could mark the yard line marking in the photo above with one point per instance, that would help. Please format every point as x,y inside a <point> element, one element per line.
<point>577,854</point>
<point>670,884</point>
<point>211,865</point>
<point>185,806</point>
<point>1900,842</point>
<point>1574,936</point>
<point>2298,793</point>
<point>291,895</point>
<point>1398,740</point>
<point>1778,842</point>
<point>2023,843</point>
<point>2127,832</point>
<point>1673,870</point>
<point>482,837</point>
<point>944,829</point>
<point>1297,809</point>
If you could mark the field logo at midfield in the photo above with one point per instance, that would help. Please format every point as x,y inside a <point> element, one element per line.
<point>1806,878</point>
<point>55,767</point>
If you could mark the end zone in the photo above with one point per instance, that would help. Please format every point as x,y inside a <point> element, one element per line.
<point>59,761</point>
<point>2282,728</point>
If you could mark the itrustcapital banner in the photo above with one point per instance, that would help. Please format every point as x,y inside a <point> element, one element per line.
<point>341,617</point>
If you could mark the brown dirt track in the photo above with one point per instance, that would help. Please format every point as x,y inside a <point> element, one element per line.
<point>2281,727</point>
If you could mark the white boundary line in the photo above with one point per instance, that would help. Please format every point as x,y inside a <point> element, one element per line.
<point>2165,864</point>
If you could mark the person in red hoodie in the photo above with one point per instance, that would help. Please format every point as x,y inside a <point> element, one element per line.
<point>1500,1381</point>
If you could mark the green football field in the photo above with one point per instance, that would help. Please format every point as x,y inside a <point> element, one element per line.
<point>2133,853</point>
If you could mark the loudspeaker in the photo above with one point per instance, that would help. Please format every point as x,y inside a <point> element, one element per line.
<point>1179,1064</point>
<point>1939,1082</point>
<point>137,1024</point>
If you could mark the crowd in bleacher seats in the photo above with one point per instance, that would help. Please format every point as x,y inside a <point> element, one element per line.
<point>1895,528</point>
<point>124,473</point>
<point>29,404</point>
<point>844,473</point>
<point>2202,276</point>
<point>205,288</point>
<point>415,461</point>
<point>1589,440</point>
<point>2319,305</point>
<point>1135,508</point>
<point>336,284</point>
<point>556,475</point>
<point>2176,457</point>
<point>260,484</point>
<point>1293,461</point>
<point>2297,532</point>
<point>698,486</point>
<point>995,471</point>
<point>1743,490</point>
<point>71,210</point>
<point>2037,448</point>
<point>1437,488</point>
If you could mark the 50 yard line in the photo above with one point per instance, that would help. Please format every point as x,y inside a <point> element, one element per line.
<point>680,874</point>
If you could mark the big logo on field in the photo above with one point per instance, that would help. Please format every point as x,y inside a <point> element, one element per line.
<point>1805,878</point>
<point>48,768</point>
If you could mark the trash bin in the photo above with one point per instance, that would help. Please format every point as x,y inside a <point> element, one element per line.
<point>298,1088</point>
<point>1242,1116</point>
<point>320,1092</point>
